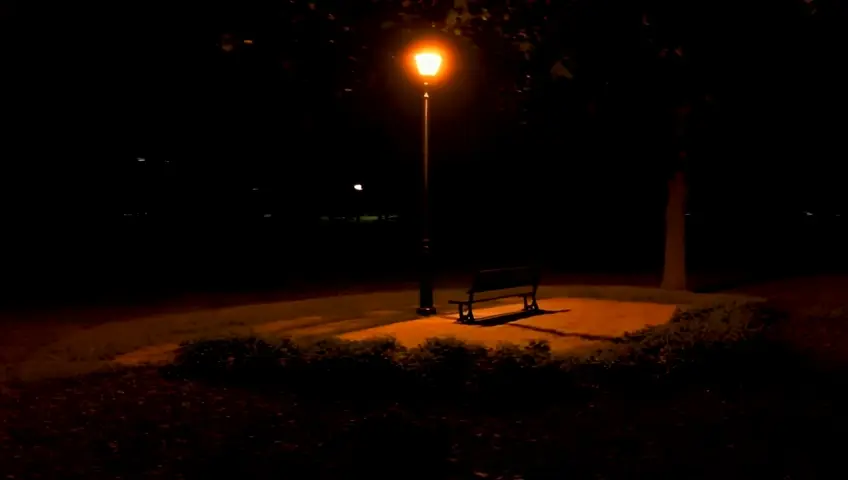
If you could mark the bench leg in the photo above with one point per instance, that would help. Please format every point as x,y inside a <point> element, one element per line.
<point>465,314</point>
<point>533,306</point>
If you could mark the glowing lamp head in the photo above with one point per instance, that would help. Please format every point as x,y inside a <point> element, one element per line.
<point>357,187</point>
<point>428,64</point>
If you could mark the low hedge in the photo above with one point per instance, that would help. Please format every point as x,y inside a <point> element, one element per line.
<point>721,342</point>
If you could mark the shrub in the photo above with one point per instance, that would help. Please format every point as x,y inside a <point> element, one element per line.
<point>245,359</point>
<point>340,365</point>
<point>718,340</point>
<point>710,341</point>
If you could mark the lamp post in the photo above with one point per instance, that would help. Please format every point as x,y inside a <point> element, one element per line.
<point>428,64</point>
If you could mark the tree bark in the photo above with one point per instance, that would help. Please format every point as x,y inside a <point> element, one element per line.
<point>674,264</point>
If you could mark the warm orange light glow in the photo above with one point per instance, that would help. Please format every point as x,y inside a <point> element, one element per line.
<point>428,64</point>
<point>248,42</point>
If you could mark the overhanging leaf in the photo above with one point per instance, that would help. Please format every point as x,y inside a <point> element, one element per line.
<point>560,71</point>
<point>453,18</point>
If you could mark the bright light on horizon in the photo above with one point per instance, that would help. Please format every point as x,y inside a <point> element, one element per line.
<point>357,187</point>
<point>428,64</point>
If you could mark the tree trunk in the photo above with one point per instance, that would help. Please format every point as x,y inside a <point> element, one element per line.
<point>674,265</point>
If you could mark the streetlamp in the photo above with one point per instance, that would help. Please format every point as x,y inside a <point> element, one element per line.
<point>428,64</point>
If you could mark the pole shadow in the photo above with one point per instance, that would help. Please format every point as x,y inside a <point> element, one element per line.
<point>508,318</point>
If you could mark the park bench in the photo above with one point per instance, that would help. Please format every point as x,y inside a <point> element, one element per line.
<point>496,284</point>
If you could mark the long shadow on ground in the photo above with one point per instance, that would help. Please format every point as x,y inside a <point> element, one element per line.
<point>585,336</point>
<point>504,318</point>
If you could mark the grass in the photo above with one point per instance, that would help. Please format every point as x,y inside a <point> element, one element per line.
<point>710,395</point>
<point>92,349</point>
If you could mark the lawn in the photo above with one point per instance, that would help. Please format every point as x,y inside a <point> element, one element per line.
<point>698,398</point>
<point>135,425</point>
<point>93,349</point>
<point>713,393</point>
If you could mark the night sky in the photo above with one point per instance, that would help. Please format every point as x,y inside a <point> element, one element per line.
<point>314,103</point>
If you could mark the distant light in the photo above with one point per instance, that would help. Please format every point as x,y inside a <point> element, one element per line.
<point>140,159</point>
<point>248,42</point>
<point>255,189</point>
<point>809,214</point>
<point>267,215</point>
<point>357,187</point>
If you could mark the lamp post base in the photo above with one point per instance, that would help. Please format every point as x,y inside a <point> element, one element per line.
<point>426,311</point>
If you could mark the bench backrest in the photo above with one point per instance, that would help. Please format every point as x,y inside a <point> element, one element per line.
<point>503,278</point>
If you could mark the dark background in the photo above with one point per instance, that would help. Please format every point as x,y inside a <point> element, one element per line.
<point>569,175</point>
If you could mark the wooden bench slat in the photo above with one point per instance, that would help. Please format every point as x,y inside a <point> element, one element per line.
<point>499,297</point>
<point>497,280</point>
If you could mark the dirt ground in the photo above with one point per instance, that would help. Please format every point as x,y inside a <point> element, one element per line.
<point>70,341</point>
<point>565,323</point>
<point>27,329</point>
